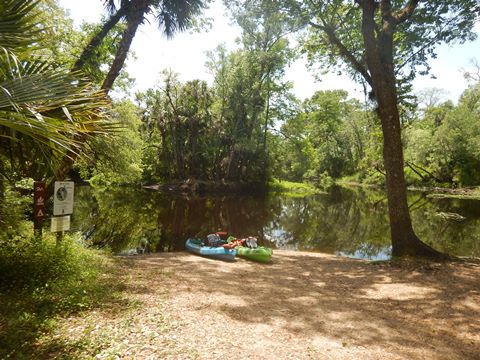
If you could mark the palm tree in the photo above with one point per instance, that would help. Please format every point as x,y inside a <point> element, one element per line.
<point>41,106</point>
<point>171,15</point>
<point>115,16</point>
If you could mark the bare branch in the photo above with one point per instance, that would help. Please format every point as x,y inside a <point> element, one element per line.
<point>412,165</point>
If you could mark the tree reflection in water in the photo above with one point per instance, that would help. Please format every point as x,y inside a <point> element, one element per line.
<point>350,222</point>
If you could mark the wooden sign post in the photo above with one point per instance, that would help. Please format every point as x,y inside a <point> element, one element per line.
<point>38,206</point>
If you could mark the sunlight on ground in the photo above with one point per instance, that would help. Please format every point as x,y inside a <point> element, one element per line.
<point>399,292</point>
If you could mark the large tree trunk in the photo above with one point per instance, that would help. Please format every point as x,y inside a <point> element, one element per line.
<point>379,56</point>
<point>404,240</point>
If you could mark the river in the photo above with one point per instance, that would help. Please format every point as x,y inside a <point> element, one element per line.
<point>347,222</point>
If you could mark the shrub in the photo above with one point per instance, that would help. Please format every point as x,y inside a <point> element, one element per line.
<point>42,280</point>
<point>64,270</point>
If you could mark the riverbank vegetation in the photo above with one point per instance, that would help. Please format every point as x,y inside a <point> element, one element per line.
<point>246,126</point>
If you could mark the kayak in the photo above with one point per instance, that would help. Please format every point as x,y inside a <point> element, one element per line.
<point>260,254</point>
<point>195,246</point>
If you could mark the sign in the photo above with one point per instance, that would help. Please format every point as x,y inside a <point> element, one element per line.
<point>60,223</point>
<point>38,200</point>
<point>63,198</point>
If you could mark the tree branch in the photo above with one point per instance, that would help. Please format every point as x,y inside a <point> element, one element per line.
<point>429,43</point>
<point>415,171</point>
<point>376,167</point>
<point>411,165</point>
<point>402,15</point>
<point>344,52</point>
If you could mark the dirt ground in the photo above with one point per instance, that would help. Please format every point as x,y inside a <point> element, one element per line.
<point>302,306</point>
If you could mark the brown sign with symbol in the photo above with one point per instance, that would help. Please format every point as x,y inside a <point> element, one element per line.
<point>38,203</point>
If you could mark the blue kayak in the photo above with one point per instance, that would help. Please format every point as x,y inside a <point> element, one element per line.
<point>195,246</point>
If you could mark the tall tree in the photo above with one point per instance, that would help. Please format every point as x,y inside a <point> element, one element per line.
<point>382,43</point>
<point>115,16</point>
<point>172,16</point>
<point>249,86</point>
<point>180,127</point>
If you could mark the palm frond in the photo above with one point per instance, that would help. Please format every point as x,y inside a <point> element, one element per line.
<point>175,16</point>
<point>19,29</point>
<point>52,108</point>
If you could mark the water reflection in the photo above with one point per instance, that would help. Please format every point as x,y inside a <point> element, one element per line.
<point>345,221</point>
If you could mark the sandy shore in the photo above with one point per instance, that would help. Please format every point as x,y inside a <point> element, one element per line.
<point>302,306</point>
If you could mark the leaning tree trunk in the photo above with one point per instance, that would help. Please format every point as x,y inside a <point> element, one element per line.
<point>134,18</point>
<point>379,56</point>
<point>68,160</point>
<point>96,40</point>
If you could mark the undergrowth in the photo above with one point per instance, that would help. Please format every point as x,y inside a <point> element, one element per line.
<point>42,280</point>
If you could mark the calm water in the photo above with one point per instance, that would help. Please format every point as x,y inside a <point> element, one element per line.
<point>349,222</point>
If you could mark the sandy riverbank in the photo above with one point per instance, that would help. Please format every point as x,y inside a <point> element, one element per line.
<point>303,306</point>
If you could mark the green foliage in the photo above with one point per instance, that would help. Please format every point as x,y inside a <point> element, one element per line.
<point>179,129</point>
<point>34,263</point>
<point>63,43</point>
<point>117,158</point>
<point>41,280</point>
<point>12,218</point>
<point>43,107</point>
<point>334,137</point>
<point>290,188</point>
<point>330,137</point>
<point>221,133</point>
<point>61,39</point>
<point>415,37</point>
<point>442,146</point>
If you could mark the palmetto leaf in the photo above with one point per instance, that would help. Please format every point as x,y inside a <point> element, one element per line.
<point>55,109</point>
<point>18,26</point>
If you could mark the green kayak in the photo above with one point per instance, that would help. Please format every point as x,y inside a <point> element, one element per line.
<point>260,254</point>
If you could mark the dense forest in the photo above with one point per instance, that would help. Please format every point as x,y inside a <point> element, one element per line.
<point>183,131</point>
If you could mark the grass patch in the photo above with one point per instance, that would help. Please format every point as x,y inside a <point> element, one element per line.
<point>42,281</point>
<point>292,188</point>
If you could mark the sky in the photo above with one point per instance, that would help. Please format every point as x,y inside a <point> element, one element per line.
<point>186,55</point>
